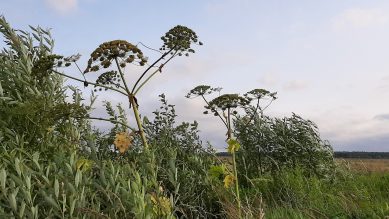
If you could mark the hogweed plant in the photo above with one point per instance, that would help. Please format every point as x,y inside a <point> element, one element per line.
<point>224,107</point>
<point>111,58</point>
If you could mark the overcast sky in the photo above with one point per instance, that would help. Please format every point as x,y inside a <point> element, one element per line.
<point>327,59</point>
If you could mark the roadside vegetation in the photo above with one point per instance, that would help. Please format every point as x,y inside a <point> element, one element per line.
<point>55,164</point>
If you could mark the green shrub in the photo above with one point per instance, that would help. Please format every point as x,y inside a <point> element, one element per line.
<point>34,110</point>
<point>273,144</point>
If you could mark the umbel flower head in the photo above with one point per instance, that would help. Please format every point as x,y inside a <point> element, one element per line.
<point>227,101</point>
<point>201,90</point>
<point>107,52</point>
<point>109,78</point>
<point>260,93</point>
<point>179,39</point>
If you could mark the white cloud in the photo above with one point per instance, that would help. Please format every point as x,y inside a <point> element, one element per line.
<point>296,85</point>
<point>270,79</point>
<point>360,18</point>
<point>62,6</point>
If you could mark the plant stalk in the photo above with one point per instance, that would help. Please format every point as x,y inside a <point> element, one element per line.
<point>138,121</point>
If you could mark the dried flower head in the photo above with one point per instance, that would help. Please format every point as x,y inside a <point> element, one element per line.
<point>122,142</point>
<point>201,90</point>
<point>260,93</point>
<point>227,101</point>
<point>107,52</point>
<point>109,78</point>
<point>179,39</point>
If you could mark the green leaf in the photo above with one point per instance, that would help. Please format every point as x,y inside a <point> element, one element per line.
<point>3,178</point>
<point>78,178</point>
<point>17,166</point>
<point>22,209</point>
<point>56,188</point>
<point>1,90</point>
<point>12,200</point>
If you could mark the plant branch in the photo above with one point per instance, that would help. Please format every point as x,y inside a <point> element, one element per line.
<point>122,76</point>
<point>218,114</point>
<point>98,85</point>
<point>149,47</point>
<point>152,65</point>
<point>155,72</point>
<point>107,120</point>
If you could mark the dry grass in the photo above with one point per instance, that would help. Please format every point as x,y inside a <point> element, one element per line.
<point>366,165</point>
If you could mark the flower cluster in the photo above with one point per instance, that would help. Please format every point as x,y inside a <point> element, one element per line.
<point>260,93</point>
<point>226,101</point>
<point>179,39</point>
<point>201,90</point>
<point>109,78</point>
<point>107,52</point>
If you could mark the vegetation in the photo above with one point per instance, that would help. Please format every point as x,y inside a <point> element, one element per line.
<point>54,164</point>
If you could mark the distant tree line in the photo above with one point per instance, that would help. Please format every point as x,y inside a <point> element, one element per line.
<point>343,154</point>
<point>361,154</point>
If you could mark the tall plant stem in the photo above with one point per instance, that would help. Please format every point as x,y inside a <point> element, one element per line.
<point>131,99</point>
<point>138,121</point>
<point>229,134</point>
<point>236,185</point>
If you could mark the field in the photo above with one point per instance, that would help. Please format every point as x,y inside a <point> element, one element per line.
<point>365,165</point>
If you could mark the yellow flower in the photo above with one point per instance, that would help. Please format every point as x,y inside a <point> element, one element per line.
<point>84,164</point>
<point>229,180</point>
<point>123,141</point>
<point>161,206</point>
<point>233,145</point>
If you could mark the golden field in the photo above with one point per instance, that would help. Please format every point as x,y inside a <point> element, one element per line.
<point>365,165</point>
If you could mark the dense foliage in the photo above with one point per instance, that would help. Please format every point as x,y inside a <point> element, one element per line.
<point>275,144</point>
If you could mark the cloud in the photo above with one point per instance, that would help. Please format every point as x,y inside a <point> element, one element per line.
<point>360,18</point>
<point>295,85</point>
<point>62,6</point>
<point>352,129</point>
<point>270,79</point>
<point>382,117</point>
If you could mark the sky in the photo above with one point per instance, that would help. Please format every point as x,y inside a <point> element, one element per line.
<point>327,59</point>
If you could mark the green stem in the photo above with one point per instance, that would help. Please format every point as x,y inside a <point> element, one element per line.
<point>107,120</point>
<point>155,72</point>
<point>138,121</point>
<point>131,99</point>
<point>143,83</point>
<point>122,76</point>
<point>236,185</point>
<point>229,133</point>
<point>151,66</point>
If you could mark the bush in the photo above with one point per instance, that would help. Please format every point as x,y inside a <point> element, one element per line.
<point>273,144</point>
<point>34,111</point>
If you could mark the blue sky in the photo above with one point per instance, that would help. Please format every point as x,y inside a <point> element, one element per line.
<point>328,59</point>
